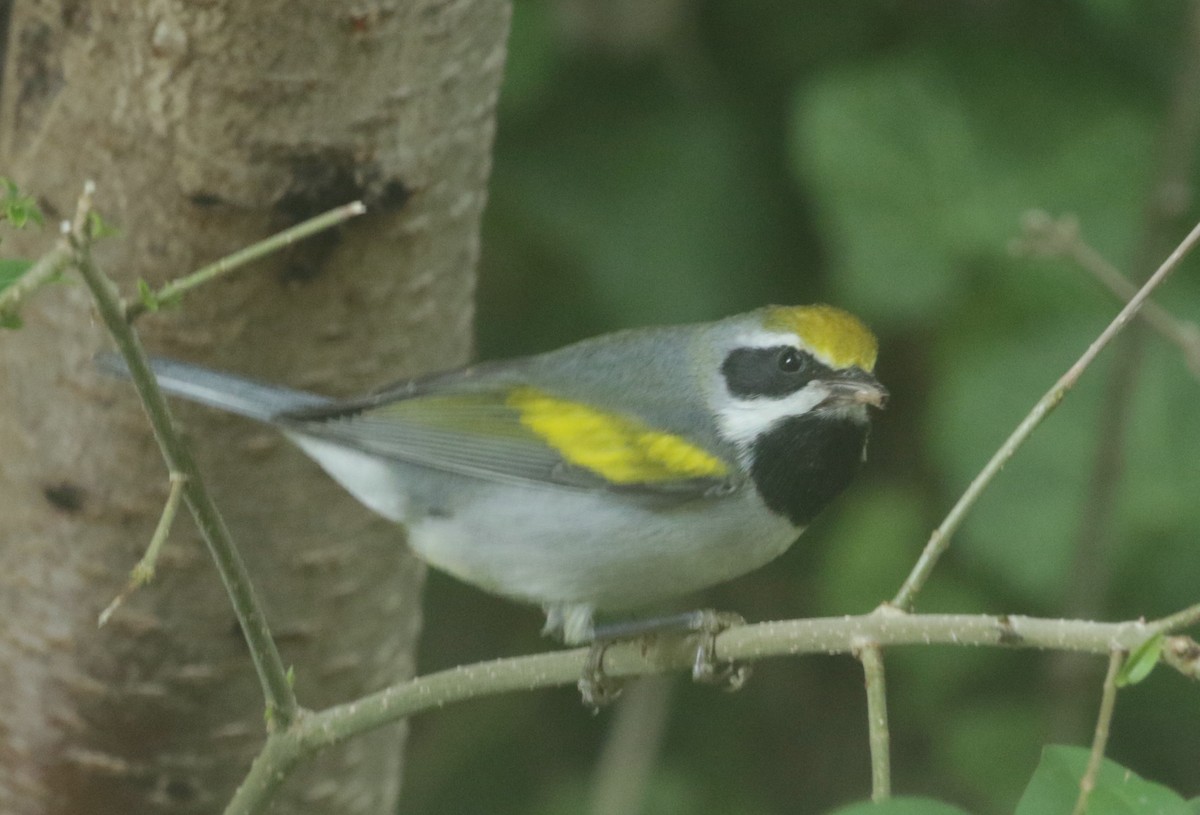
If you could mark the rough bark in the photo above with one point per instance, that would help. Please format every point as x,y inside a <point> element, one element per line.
<point>207,125</point>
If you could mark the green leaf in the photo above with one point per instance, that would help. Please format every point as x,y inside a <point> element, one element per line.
<point>19,210</point>
<point>99,228</point>
<point>1141,661</point>
<point>11,269</point>
<point>920,175</point>
<point>1118,791</point>
<point>146,295</point>
<point>894,161</point>
<point>900,806</point>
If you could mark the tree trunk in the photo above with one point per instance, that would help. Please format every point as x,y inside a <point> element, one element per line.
<point>206,126</point>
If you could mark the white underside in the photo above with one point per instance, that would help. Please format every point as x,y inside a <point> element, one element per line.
<point>371,480</point>
<point>572,551</point>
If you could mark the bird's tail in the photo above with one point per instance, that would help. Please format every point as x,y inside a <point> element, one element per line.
<point>222,391</point>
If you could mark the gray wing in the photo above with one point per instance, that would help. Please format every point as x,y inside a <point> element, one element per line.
<point>487,434</point>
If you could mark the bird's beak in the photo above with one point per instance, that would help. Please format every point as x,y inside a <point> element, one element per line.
<point>855,387</point>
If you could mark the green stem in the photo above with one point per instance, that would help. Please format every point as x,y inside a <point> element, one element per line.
<point>280,240</point>
<point>1180,619</point>
<point>871,657</point>
<point>43,271</point>
<point>143,572</point>
<point>1100,738</point>
<point>281,701</point>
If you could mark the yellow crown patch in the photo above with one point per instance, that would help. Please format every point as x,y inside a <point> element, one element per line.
<point>620,449</point>
<point>837,336</point>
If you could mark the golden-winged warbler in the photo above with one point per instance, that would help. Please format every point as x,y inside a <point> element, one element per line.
<point>608,475</point>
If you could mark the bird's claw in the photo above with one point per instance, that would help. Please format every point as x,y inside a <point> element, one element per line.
<point>730,676</point>
<point>599,690</point>
<point>596,688</point>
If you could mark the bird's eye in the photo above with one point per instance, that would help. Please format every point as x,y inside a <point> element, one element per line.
<point>790,361</point>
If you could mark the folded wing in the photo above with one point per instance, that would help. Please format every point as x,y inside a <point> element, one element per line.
<point>521,434</point>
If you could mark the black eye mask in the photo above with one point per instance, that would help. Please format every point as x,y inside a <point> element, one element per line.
<point>770,372</point>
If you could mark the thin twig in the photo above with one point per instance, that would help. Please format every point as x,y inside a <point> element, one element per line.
<point>1182,333</point>
<point>939,541</point>
<point>871,657</point>
<point>44,271</point>
<point>1180,619</point>
<point>177,288</point>
<point>282,707</point>
<point>1047,236</point>
<point>143,572</point>
<point>1100,738</point>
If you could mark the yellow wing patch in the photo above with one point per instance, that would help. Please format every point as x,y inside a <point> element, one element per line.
<point>837,336</point>
<point>620,449</point>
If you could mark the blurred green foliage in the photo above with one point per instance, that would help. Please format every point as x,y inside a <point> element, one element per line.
<point>16,208</point>
<point>901,806</point>
<point>11,271</point>
<point>664,160</point>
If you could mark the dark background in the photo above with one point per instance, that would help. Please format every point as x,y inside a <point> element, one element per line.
<point>665,161</point>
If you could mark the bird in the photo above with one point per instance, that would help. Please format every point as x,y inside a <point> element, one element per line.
<point>604,477</point>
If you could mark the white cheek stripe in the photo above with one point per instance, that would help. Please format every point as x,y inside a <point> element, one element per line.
<point>744,420</point>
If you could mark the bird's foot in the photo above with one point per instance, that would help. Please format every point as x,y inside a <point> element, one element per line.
<point>730,676</point>
<point>597,688</point>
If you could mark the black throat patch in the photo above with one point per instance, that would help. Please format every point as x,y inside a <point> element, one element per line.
<point>803,463</point>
